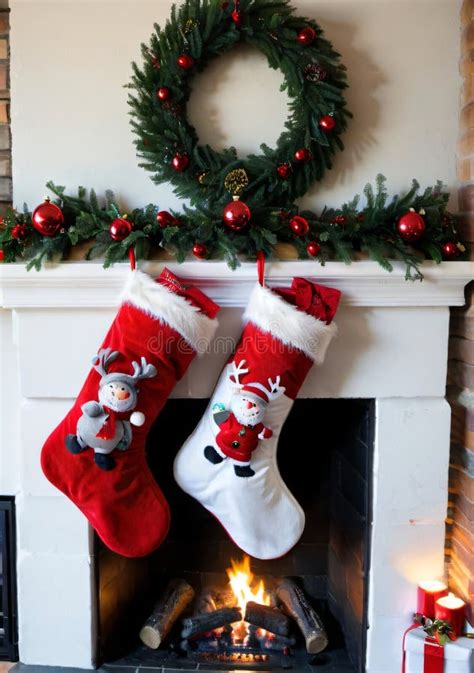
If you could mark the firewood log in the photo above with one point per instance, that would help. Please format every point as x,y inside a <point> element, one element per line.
<point>298,607</point>
<point>172,602</point>
<point>193,626</point>
<point>270,619</point>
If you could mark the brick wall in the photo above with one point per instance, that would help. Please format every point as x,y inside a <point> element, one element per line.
<point>5,140</point>
<point>460,530</point>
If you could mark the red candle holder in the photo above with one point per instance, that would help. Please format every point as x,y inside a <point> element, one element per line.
<point>428,594</point>
<point>453,610</point>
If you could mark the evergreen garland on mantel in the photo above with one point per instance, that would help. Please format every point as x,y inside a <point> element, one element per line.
<point>340,233</point>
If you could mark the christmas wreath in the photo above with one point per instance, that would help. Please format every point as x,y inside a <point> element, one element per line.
<point>238,207</point>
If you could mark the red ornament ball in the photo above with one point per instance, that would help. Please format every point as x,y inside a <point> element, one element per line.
<point>299,225</point>
<point>285,171</point>
<point>165,219</point>
<point>180,162</point>
<point>341,220</point>
<point>306,36</point>
<point>47,218</point>
<point>313,248</point>
<point>2,255</point>
<point>327,123</point>
<point>163,93</point>
<point>20,232</point>
<point>185,61</point>
<point>237,18</point>
<point>361,217</point>
<point>236,215</point>
<point>303,155</point>
<point>411,226</point>
<point>120,229</point>
<point>199,250</point>
<point>450,250</point>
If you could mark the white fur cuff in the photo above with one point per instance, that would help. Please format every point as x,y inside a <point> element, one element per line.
<point>270,313</point>
<point>196,328</point>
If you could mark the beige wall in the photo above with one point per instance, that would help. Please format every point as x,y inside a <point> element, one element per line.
<point>69,113</point>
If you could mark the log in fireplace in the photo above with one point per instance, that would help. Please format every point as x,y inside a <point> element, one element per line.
<point>316,595</point>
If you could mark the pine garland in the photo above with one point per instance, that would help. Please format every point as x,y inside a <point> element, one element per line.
<point>342,232</point>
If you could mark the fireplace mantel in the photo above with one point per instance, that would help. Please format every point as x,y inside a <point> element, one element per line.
<point>363,283</point>
<point>392,347</point>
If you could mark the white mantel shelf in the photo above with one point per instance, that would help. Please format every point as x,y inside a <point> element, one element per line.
<point>363,283</point>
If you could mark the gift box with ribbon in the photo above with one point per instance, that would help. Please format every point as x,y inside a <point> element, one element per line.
<point>423,654</point>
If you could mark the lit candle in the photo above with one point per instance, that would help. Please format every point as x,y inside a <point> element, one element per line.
<point>453,610</point>
<point>428,594</point>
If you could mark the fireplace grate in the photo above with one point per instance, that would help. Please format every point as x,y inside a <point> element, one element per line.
<point>8,599</point>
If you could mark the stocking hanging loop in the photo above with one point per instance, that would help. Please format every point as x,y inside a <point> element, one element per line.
<point>261,267</point>
<point>131,257</point>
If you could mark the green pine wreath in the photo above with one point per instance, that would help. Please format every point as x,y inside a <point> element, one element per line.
<point>314,79</point>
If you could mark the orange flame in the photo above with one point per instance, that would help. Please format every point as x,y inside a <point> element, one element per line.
<point>246,589</point>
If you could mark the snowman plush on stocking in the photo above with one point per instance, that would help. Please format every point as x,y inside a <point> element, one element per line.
<point>229,464</point>
<point>240,433</point>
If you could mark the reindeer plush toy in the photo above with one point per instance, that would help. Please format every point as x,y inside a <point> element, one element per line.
<point>106,425</point>
<point>239,435</point>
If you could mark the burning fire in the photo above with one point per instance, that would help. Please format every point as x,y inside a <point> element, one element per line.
<point>246,589</point>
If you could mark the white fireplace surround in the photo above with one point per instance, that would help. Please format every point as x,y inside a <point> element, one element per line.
<point>392,346</point>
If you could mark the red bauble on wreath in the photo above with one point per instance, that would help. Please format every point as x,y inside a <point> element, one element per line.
<point>199,250</point>
<point>341,220</point>
<point>47,218</point>
<point>285,171</point>
<point>20,232</point>
<point>120,228</point>
<point>236,215</point>
<point>327,123</point>
<point>450,250</point>
<point>237,18</point>
<point>166,219</point>
<point>411,226</point>
<point>163,93</point>
<point>2,255</point>
<point>180,162</point>
<point>185,61</point>
<point>303,155</point>
<point>306,36</point>
<point>313,248</point>
<point>299,225</point>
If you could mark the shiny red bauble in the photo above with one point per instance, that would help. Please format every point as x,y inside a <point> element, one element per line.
<point>285,171</point>
<point>450,250</point>
<point>306,36</point>
<point>411,226</point>
<point>185,61</point>
<point>47,218</point>
<point>313,248</point>
<point>120,229</point>
<point>199,250</point>
<point>165,219</point>
<point>20,232</point>
<point>180,162</point>
<point>236,17</point>
<point>299,225</point>
<point>327,123</point>
<point>2,255</point>
<point>163,93</point>
<point>236,215</point>
<point>341,220</point>
<point>303,155</point>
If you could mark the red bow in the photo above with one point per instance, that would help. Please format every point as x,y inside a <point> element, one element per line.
<point>316,300</point>
<point>192,294</point>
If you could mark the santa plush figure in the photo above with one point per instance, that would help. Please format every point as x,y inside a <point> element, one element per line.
<point>240,433</point>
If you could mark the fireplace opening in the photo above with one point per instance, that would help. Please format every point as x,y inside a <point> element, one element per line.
<point>8,597</point>
<point>325,457</point>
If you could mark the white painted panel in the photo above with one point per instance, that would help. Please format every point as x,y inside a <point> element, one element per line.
<point>56,609</point>
<point>38,418</point>
<point>51,525</point>
<point>380,352</point>
<point>9,409</point>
